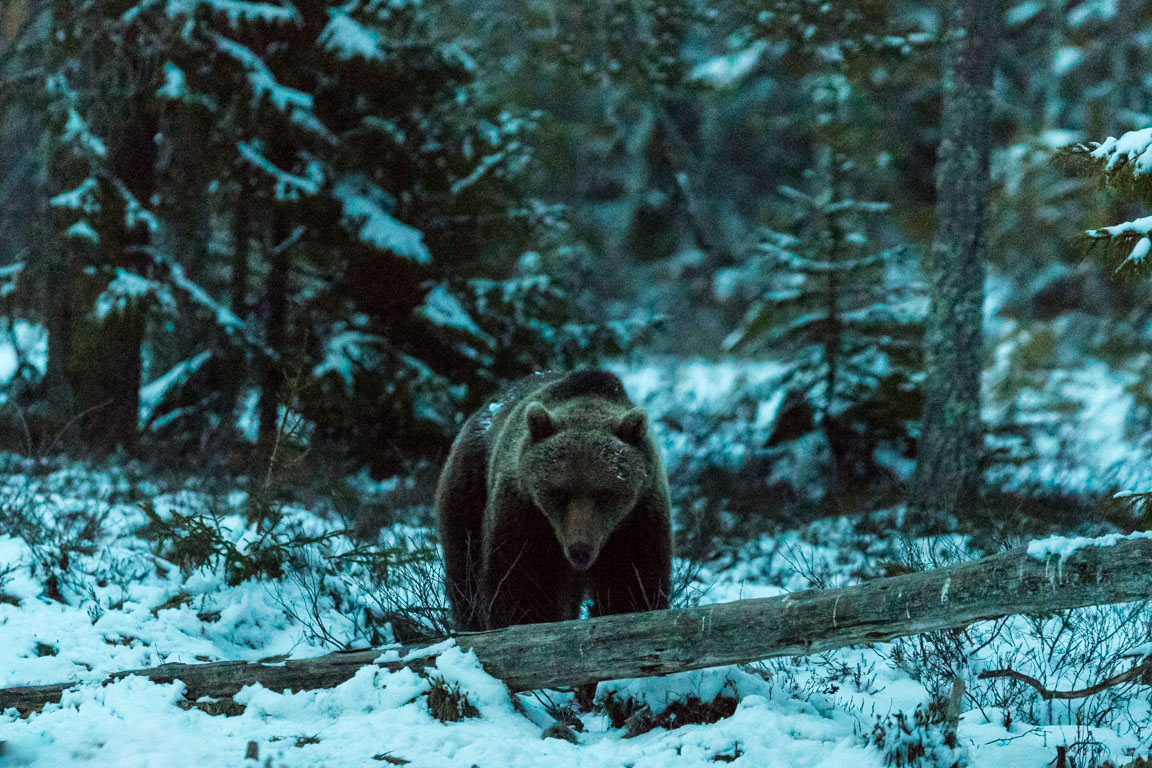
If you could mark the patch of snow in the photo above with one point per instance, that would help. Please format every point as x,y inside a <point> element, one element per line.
<point>175,83</point>
<point>22,343</point>
<point>1067,59</point>
<point>394,655</point>
<point>1063,546</point>
<point>129,608</point>
<point>723,71</point>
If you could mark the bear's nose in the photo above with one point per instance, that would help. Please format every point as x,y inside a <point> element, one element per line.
<point>580,555</point>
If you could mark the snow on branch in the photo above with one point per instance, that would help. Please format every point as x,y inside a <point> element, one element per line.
<point>154,393</point>
<point>1136,231</point>
<point>262,80</point>
<point>348,39</point>
<point>128,291</point>
<point>1132,151</point>
<point>174,276</point>
<point>730,69</point>
<point>1125,162</point>
<point>364,211</point>
<point>806,265</point>
<point>1063,546</point>
<point>77,132</point>
<point>443,309</point>
<point>288,185</point>
<point>135,213</point>
<point>348,351</point>
<point>82,198</point>
<point>238,11</point>
<point>295,103</point>
<point>10,278</point>
<point>486,164</point>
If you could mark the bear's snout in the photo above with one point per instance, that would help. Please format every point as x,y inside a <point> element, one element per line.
<point>580,555</point>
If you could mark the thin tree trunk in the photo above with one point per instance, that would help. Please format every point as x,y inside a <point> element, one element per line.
<point>13,19</point>
<point>275,331</point>
<point>1121,34</point>
<point>184,179</point>
<point>948,464</point>
<point>234,368</point>
<point>1053,102</point>
<point>572,653</point>
<point>241,250</point>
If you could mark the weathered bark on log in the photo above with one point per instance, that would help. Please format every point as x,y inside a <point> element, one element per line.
<point>573,653</point>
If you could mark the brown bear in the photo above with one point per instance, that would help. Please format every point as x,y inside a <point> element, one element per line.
<point>552,493</point>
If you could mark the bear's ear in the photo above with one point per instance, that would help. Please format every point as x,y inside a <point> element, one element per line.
<point>540,423</point>
<point>633,427</point>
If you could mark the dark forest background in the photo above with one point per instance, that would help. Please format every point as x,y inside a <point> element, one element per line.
<point>232,229</point>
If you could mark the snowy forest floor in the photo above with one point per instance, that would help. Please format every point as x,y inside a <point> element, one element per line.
<point>85,590</point>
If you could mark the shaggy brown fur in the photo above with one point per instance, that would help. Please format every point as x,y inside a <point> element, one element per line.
<point>552,493</point>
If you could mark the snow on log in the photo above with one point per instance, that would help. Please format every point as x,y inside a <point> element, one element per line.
<point>573,653</point>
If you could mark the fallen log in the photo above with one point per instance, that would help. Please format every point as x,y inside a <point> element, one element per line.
<point>571,653</point>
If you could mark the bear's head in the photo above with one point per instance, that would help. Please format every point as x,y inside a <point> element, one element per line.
<point>585,465</point>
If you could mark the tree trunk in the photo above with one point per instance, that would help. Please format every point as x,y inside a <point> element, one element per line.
<point>14,17</point>
<point>948,464</point>
<point>275,333</point>
<point>571,653</point>
<point>184,180</point>
<point>1121,34</point>
<point>241,248</point>
<point>233,367</point>
<point>103,365</point>
<point>1052,108</point>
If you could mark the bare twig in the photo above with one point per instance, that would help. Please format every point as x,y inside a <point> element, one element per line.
<point>1124,677</point>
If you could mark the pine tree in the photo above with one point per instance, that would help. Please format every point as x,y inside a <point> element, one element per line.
<point>369,230</point>
<point>1125,165</point>
<point>379,203</point>
<point>625,130</point>
<point>828,299</point>
<point>839,309</point>
<point>102,124</point>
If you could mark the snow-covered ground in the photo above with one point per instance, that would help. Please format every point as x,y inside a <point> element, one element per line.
<point>126,607</point>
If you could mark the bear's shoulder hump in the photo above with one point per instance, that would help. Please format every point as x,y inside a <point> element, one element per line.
<point>583,383</point>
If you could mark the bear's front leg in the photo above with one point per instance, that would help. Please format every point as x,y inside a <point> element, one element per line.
<point>526,578</point>
<point>633,572</point>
